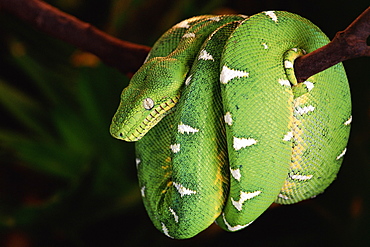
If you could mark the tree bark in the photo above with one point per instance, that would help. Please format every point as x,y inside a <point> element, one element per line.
<point>127,57</point>
<point>347,44</point>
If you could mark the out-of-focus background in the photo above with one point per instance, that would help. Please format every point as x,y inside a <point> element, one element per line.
<point>64,181</point>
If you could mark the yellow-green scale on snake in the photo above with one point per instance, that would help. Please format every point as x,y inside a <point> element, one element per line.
<point>228,130</point>
<point>196,178</point>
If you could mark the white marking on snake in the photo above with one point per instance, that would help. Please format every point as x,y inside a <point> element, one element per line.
<point>137,161</point>
<point>283,197</point>
<point>183,24</point>
<point>240,143</point>
<point>189,35</point>
<point>284,82</point>
<point>234,228</point>
<point>272,15</point>
<point>304,110</point>
<point>182,128</point>
<point>148,103</point>
<point>243,197</point>
<point>229,74</point>
<point>228,118</point>
<point>288,64</point>
<point>205,56</point>
<point>175,148</point>
<point>349,121</point>
<point>165,230</point>
<point>174,214</point>
<point>294,49</point>
<point>265,46</point>
<point>182,190</point>
<point>236,173</point>
<point>288,136</point>
<point>187,81</point>
<point>142,191</point>
<point>342,154</point>
<point>216,18</point>
<point>309,85</point>
<point>300,177</point>
<point>147,58</point>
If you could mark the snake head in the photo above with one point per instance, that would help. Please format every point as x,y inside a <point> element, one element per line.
<point>152,93</point>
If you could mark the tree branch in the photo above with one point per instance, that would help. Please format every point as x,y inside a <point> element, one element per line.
<point>128,57</point>
<point>125,56</point>
<point>347,44</point>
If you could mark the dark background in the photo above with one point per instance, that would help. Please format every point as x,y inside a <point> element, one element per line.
<point>64,181</point>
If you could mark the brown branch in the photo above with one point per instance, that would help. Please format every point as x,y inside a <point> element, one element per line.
<point>128,57</point>
<point>125,56</point>
<point>347,44</point>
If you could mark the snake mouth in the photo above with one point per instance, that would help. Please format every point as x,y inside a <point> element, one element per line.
<point>152,118</point>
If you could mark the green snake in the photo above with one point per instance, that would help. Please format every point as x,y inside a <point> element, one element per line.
<point>224,129</point>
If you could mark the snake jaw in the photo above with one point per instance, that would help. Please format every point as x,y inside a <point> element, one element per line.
<point>128,132</point>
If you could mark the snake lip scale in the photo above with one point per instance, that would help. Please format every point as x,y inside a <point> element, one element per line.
<point>222,128</point>
<point>157,112</point>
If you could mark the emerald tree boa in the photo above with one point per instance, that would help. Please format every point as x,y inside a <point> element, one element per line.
<point>223,129</point>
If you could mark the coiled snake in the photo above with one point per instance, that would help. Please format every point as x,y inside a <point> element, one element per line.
<point>223,129</point>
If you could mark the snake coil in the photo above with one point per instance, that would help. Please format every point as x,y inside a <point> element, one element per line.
<point>223,129</point>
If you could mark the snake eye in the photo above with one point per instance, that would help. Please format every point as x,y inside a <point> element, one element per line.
<point>148,103</point>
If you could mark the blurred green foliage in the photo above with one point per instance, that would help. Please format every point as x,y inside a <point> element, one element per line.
<point>64,181</point>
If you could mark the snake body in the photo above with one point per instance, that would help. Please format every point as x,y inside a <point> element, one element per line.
<point>223,129</point>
